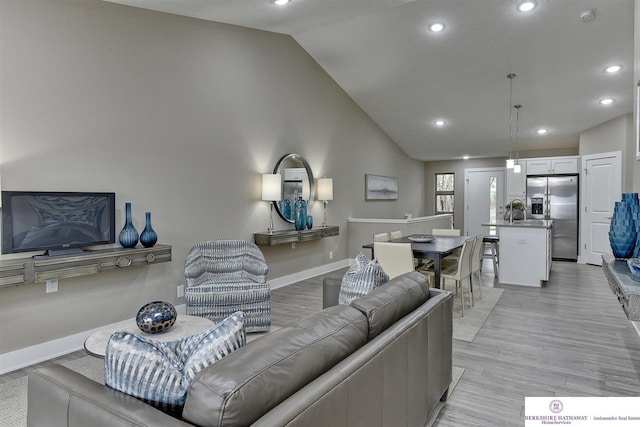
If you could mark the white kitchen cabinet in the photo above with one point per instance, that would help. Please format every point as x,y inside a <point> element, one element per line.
<point>525,253</point>
<point>552,165</point>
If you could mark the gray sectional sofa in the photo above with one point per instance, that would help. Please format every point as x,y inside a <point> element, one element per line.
<point>384,360</point>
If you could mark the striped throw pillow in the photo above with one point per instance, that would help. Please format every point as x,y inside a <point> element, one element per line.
<point>160,372</point>
<point>362,277</point>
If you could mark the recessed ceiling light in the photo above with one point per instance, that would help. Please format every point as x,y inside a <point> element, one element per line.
<point>606,101</point>
<point>613,68</point>
<point>542,131</point>
<point>436,27</point>
<point>439,123</point>
<point>281,2</point>
<point>465,157</point>
<point>526,6</point>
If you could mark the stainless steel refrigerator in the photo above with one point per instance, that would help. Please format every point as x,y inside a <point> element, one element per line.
<point>556,197</point>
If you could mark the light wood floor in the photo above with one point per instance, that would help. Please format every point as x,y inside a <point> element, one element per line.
<point>569,338</point>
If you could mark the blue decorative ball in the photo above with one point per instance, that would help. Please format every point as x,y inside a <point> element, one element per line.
<point>156,317</point>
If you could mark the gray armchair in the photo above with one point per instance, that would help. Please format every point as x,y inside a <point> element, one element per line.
<point>224,276</point>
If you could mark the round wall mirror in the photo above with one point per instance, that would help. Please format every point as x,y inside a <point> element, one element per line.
<point>297,181</point>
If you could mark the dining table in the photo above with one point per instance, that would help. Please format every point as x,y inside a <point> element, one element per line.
<point>434,249</point>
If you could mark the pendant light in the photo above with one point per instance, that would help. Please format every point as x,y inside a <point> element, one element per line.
<point>516,166</point>
<point>510,161</point>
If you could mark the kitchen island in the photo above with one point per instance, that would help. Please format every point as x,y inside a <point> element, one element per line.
<point>525,251</point>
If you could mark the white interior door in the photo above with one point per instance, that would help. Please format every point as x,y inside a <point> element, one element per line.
<point>601,188</point>
<point>483,199</point>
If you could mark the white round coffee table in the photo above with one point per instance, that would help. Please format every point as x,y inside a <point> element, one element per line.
<point>96,343</point>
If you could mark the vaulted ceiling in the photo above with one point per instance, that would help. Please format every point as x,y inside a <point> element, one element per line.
<point>406,77</point>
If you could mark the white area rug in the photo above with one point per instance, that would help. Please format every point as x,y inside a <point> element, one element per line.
<point>13,394</point>
<point>466,328</point>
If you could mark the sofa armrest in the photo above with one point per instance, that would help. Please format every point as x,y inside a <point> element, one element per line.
<point>60,397</point>
<point>330,291</point>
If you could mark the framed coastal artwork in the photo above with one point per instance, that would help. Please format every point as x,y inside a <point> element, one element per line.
<point>378,187</point>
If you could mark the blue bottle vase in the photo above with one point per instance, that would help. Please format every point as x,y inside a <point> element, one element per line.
<point>622,231</point>
<point>300,214</point>
<point>128,235</point>
<point>309,222</point>
<point>148,237</point>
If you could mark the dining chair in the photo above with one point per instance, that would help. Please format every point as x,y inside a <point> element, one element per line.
<point>395,258</point>
<point>445,232</point>
<point>395,234</point>
<point>477,256</point>
<point>458,271</point>
<point>381,237</point>
<point>448,232</point>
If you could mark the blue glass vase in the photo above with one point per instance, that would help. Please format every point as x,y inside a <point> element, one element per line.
<point>300,214</point>
<point>148,237</point>
<point>622,231</point>
<point>285,208</point>
<point>128,235</point>
<point>309,222</point>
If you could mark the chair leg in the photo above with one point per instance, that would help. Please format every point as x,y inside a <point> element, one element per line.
<point>494,253</point>
<point>479,283</point>
<point>470,290</point>
<point>461,299</point>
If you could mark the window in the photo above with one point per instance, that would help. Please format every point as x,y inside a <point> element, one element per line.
<point>445,183</point>
<point>493,204</point>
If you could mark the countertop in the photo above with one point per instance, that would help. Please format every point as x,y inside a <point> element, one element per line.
<point>529,223</point>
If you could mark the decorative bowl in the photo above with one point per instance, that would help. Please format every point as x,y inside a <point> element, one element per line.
<point>634,268</point>
<point>420,238</point>
<point>156,317</point>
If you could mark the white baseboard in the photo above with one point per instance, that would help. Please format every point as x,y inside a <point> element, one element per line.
<point>48,350</point>
<point>307,274</point>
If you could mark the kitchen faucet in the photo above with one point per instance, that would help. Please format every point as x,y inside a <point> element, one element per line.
<point>511,210</point>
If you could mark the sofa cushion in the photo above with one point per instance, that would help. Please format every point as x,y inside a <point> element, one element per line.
<point>160,373</point>
<point>389,303</point>
<point>240,388</point>
<point>361,278</point>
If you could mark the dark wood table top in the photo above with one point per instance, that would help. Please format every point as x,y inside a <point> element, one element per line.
<point>439,247</point>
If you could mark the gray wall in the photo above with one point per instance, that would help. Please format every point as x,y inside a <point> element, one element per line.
<point>179,117</point>
<point>636,79</point>
<point>613,135</point>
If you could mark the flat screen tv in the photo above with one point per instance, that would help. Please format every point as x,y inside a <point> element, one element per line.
<point>56,221</point>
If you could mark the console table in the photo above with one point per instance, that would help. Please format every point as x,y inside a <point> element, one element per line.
<point>623,286</point>
<point>42,268</point>
<point>280,237</point>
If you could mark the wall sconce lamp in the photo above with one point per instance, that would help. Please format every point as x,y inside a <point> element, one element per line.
<point>325,193</point>
<point>271,192</point>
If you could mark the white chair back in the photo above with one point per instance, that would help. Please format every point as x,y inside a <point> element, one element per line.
<point>381,237</point>
<point>395,234</point>
<point>394,258</point>
<point>477,255</point>
<point>464,263</point>
<point>445,232</point>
